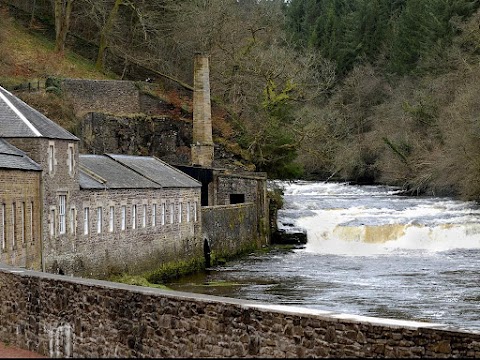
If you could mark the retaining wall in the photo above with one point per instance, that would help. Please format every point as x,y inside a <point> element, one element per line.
<point>62,316</point>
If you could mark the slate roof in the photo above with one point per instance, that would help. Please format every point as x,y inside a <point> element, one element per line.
<point>13,158</point>
<point>156,170</point>
<point>130,172</point>
<point>19,120</point>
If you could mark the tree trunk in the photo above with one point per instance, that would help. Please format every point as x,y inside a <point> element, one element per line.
<point>104,35</point>
<point>63,10</point>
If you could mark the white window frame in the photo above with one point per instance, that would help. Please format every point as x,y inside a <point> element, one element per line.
<point>72,220</point>
<point>112,219</point>
<point>134,216</point>
<point>188,211</point>
<point>52,221</point>
<point>71,159</point>
<point>62,214</point>
<point>154,215</point>
<point>51,157</point>
<point>14,225</point>
<point>164,211</point>
<point>144,216</point>
<point>195,211</point>
<point>24,223</point>
<point>31,222</point>
<point>3,222</point>
<point>180,211</point>
<point>123,223</point>
<point>99,219</point>
<point>171,212</point>
<point>86,220</point>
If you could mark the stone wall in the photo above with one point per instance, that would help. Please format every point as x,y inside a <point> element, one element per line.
<point>253,187</point>
<point>20,205</point>
<point>110,96</point>
<point>134,249</point>
<point>231,228</point>
<point>61,316</point>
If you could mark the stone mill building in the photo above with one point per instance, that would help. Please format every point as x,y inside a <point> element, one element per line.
<point>91,215</point>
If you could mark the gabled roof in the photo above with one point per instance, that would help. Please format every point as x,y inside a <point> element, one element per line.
<point>13,158</point>
<point>19,120</point>
<point>101,172</point>
<point>130,172</point>
<point>157,170</point>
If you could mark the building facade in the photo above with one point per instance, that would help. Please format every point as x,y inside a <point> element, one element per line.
<point>88,215</point>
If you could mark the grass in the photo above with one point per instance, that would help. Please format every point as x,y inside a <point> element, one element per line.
<point>26,55</point>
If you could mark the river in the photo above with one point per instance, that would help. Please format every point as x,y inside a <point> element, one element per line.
<point>370,251</point>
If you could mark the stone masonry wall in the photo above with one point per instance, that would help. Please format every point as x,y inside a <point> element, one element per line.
<point>110,96</point>
<point>135,249</point>
<point>61,316</point>
<point>20,190</point>
<point>230,228</point>
<point>61,181</point>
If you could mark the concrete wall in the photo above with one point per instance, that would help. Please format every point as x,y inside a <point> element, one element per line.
<point>60,316</point>
<point>20,205</point>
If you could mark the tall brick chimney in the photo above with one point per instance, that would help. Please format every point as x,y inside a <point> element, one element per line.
<point>202,147</point>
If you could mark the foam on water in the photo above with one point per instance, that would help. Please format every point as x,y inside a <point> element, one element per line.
<point>373,224</point>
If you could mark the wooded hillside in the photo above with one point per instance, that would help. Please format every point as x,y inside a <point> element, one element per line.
<point>369,91</point>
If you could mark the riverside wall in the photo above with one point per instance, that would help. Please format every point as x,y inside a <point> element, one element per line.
<point>229,229</point>
<point>61,316</point>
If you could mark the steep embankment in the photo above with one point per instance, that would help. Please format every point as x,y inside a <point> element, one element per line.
<point>27,60</point>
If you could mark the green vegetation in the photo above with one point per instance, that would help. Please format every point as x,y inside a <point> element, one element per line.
<point>366,91</point>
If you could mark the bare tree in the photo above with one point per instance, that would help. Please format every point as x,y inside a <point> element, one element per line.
<point>62,12</point>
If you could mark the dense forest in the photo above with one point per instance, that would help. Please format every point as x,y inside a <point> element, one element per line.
<point>366,91</point>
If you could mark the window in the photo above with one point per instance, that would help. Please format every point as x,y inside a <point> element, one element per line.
<point>112,218</point>
<point>32,239</point>
<point>86,220</point>
<point>163,213</point>
<point>171,213</point>
<point>134,217</point>
<point>71,159</point>
<point>72,221</point>
<point>188,211</point>
<point>180,210</point>
<point>23,222</point>
<point>237,198</point>
<point>144,216</point>
<point>14,234</point>
<point>62,218</point>
<point>99,220</point>
<point>52,222</point>
<point>154,215</point>
<point>51,160</point>
<point>195,211</point>
<point>3,224</point>
<point>124,218</point>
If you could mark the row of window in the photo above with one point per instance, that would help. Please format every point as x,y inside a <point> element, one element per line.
<point>159,215</point>
<point>20,220</point>
<point>70,157</point>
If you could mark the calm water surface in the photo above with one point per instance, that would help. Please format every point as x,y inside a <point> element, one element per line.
<point>370,252</point>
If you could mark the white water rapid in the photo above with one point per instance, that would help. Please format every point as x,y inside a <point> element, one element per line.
<point>371,220</point>
<point>370,251</point>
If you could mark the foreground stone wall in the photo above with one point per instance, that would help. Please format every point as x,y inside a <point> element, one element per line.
<point>60,316</point>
